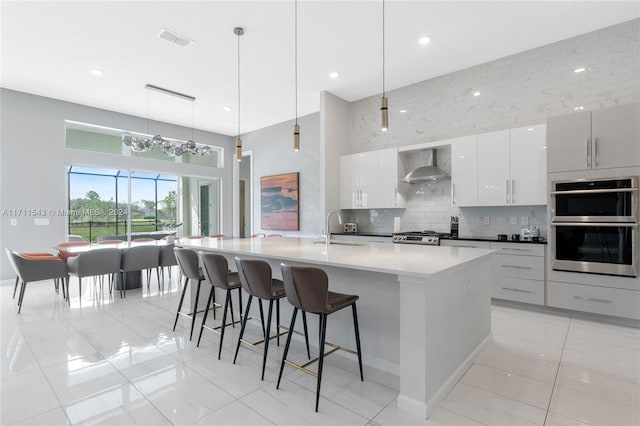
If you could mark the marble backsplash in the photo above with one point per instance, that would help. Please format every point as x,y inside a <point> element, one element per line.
<point>429,207</point>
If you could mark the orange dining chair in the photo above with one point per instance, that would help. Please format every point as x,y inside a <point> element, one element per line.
<point>217,236</point>
<point>64,254</point>
<point>143,240</point>
<point>111,242</point>
<point>36,256</point>
<point>259,235</point>
<point>195,237</point>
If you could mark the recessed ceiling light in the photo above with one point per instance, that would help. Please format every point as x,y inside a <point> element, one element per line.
<point>476,93</point>
<point>530,129</point>
<point>334,74</point>
<point>579,70</point>
<point>227,108</point>
<point>96,72</point>
<point>424,40</point>
<point>402,111</point>
<point>578,108</point>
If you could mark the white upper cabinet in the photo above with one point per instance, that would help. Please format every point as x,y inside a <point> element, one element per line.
<point>369,180</point>
<point>600,139</point>
<point>528,165</point>
<point>512,168</point>
<point>493,169</point>
<point>464,171</point>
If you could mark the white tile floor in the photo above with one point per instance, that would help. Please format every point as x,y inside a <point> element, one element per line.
<point>117,362</point>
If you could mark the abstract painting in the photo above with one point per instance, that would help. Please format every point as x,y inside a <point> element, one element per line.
<point>279,202</point>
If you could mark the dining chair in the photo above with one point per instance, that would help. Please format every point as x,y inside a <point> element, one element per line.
<point>110,242</point>
<point>34,255</point>
<point>274,235</point>
<point>138,258</point>
<point>105,261</point>
<point>64,254</point>
<point>217,236</point>
<point>195,237</point>
<point>38,269</point>
<point>259,235</point>
<point>143,240</point>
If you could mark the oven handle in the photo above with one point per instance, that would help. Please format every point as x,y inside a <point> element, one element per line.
<point>600,224</point>
<point>594,191</point>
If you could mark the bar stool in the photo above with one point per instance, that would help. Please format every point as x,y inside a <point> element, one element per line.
<point>188,263</point>
<point>216,271</point>
<point>307,289</point>
<point>256,279</point>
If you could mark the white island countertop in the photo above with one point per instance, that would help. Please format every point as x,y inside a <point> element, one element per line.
<point>425,311</point>
<point>405,259</point>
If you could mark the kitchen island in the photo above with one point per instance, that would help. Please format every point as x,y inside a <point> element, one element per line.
<point>424,311</point>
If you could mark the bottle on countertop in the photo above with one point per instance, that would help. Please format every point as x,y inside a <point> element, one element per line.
<point>454,226</point>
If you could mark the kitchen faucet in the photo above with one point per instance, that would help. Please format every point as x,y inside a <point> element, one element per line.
<point>327,230</point>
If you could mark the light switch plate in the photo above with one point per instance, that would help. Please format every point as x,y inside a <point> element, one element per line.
<point>14,222</point>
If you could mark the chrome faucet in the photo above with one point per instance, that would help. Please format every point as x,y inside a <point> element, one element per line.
<point>328,224</point>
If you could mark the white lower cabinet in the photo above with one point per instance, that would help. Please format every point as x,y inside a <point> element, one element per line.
<point>600,300</point>
<point>519,272</point>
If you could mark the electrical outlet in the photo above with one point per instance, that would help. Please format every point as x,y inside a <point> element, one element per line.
<point>487,220</point>
<point>14,222</point>
<point>514,220</point>
<point>525,220</point>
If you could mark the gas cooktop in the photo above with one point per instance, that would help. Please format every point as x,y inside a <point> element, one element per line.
<point>430,238</point>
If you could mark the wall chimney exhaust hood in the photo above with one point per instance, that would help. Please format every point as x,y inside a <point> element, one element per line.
<point>427,173</point>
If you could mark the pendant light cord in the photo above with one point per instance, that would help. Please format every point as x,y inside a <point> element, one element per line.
<point>383,51</point>
<point>238,84</point>
<point>296,56</point>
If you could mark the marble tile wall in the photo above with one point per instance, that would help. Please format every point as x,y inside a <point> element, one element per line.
<point>518,90</point>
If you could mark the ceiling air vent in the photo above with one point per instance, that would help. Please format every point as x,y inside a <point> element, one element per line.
<point>175,38</point>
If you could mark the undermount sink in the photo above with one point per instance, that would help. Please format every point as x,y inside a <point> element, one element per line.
<point>341,243</point>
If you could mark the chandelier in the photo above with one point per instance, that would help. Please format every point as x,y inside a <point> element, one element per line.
<point>170,147</point>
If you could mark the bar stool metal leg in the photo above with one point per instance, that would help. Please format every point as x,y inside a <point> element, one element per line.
<point>286,345</point>
<point>184,290</point>
<point>355,325</point>
<point>204,319</point>
<point>195,309</point>
<point>266,339</point>
<point>323,330</point>
<point>224,321</point>
<point>244,324</point>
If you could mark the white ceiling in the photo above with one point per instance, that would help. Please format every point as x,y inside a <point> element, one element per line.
<point>49,47</point>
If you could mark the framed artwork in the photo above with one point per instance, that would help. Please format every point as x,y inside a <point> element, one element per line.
<point>279,202</point>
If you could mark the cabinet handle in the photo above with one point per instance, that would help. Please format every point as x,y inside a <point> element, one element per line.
<point>453,194</point>
<point>395,196</point>
<point>595,151</point>
<point>359,197</point>
<point>507,194</point>
<point>513,191</point>
<point>516,249</point>
<point>516,290</point>
<point>592,299</point>
<point>516,267</point>
<point>588,152</point>
<point>465,246</point>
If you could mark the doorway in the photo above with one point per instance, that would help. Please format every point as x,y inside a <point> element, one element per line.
<point>204,209</point>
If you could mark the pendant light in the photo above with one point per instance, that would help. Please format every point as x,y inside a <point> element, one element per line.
<point>384,107</point>
<point>239,31</point>
<point>296,127</point>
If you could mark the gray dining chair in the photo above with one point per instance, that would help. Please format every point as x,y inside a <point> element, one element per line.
<point>38,269</point>
<point>138,258</point>
<point>92,263</point>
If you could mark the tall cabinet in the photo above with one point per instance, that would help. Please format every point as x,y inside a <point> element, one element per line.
<point>464,171</point>
<point>601,139</point>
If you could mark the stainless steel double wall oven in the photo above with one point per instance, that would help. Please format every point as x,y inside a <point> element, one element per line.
<point>595,226</point>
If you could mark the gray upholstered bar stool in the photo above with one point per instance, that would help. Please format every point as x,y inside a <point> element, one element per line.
<point>216,271</point>
<point>188,263</point>
<point>168,260</point>
<point>307,289</point>
<point>256,279</point>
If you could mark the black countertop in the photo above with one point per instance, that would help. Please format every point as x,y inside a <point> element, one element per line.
<point>488,239</point>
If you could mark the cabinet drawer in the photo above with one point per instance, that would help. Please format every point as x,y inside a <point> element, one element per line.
<point>528,267</point>
<point>520,249</point>
<point>465,243</point>
<point>518,290</point>
<point>599,300</point>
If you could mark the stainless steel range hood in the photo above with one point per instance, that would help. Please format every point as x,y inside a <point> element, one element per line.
<point>427,173</point>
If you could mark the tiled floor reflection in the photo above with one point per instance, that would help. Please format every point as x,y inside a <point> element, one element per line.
<point>117,361</point>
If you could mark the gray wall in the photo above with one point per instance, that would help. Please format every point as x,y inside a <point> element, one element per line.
<point>33,164</point>
<point>273,154</point>
<point>516,91</point>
